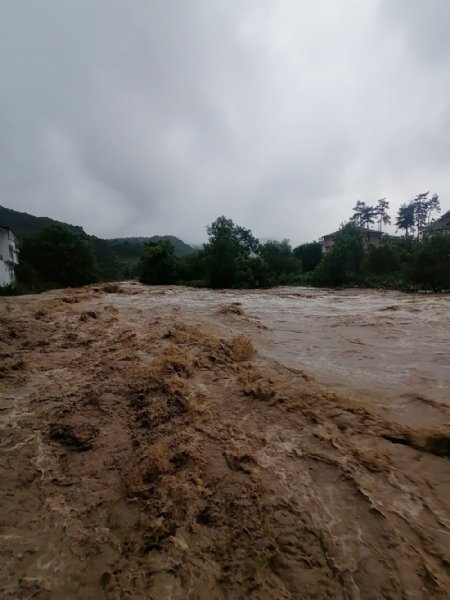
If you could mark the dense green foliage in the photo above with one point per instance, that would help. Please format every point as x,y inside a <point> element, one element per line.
<point>233,257</point>
<point>158,264</point>
<point>109,265</point>
<point>383,258</point>
<point>310,255</point>
<point>227,252</point>
<point>400,263</point>
<point>192,269</point>
<point>283,265</point>
<point>430,263</point>
<point>116,259</point>
<point>342,263</point>
<point>61,256</point>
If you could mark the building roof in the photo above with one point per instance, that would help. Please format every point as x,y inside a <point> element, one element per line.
<point>442,223</point>
<point>8,228</point>
<point>362,229</point>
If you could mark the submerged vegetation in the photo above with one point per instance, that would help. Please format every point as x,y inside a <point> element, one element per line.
<point>59,255</point>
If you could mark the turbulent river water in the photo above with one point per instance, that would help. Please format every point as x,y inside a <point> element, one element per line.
<point>166,443</point>
<point>387,348</point>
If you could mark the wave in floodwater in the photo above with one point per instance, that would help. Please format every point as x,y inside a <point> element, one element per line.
<point>388,348</point>
<point>177,444</point>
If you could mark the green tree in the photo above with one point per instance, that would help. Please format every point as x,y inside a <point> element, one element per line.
<point>381,213</point>
<point>417,214</point>
<point>383,258</point>
<point>364,215</point>
<point>280,260</point>
<point>193,269</point>
<point>227,243</point>
<point>310,255</point>
<point>158,264</point>
<point>252,272</point>
<point>342,262</point>
<point>424,207</point>
<point>61,255</point>
<point>430,262</point>
<point>109,266</point>
<point>405,218</point>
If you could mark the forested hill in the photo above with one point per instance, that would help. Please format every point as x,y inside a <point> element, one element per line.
<point>24,224</point>
<point>132,247</point>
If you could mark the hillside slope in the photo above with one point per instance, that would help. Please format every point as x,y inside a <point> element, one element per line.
<point>24,224</point>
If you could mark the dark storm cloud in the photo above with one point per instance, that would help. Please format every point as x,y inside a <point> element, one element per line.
<point>142,117</point>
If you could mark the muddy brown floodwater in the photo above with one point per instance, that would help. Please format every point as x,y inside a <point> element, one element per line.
<point>386,348</point>
<point>170,443</point>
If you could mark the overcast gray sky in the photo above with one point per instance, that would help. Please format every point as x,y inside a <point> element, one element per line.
<point>141,117</point>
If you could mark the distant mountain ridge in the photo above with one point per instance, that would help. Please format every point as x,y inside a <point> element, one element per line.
<point>132,246</point>
<point>23,224</point>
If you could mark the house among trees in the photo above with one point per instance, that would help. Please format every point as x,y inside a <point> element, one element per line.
<point>441,225</point>
<point>363,216</point>
<point>9,256</point>
<point>370,236</point>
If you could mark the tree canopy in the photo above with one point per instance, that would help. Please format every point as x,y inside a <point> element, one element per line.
<point>227,245</point>
<point>405,218</point>
<point>233,257</point>
<point>430,262</point>
<point>281,261</point>
<point>61,255</point>
<point>416,215</point>
<point>310,255</point>
<point>363,215</point>
<point>158,264</point>
<point>342,262</point>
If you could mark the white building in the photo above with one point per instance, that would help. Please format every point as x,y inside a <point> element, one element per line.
<point>9,256</point>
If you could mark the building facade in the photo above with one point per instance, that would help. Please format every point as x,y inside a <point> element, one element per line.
<point>9,256</point>
<point>370,236</point>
